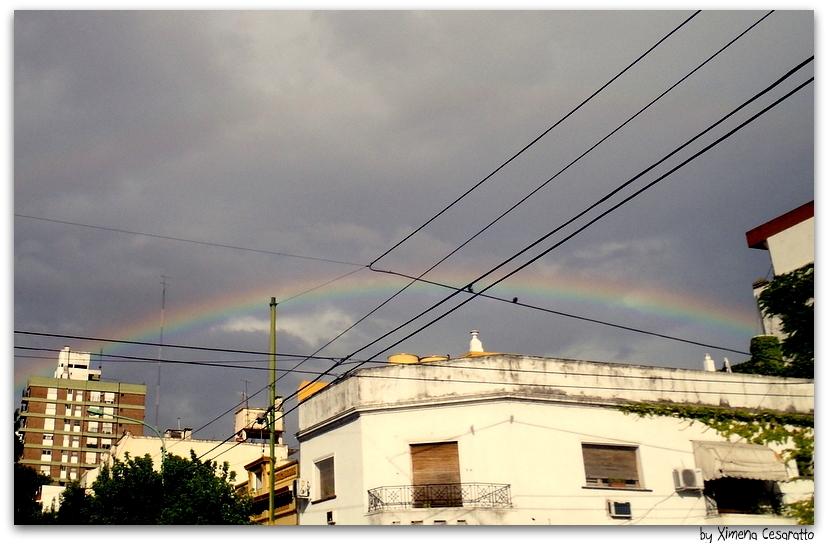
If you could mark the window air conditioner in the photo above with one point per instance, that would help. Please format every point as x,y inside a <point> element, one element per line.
<point>301,488</point>
<point>688,479</point>
<point>619,509</point>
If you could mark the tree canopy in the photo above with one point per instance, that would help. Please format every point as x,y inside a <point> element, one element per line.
<point>186,491</point>
<point>790,297</point>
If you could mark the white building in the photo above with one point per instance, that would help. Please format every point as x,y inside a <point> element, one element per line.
<point>789,240</point>
<point>237,452</point>
<point>519,440</point>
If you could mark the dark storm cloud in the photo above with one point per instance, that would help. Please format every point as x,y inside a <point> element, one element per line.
<point>334,134</point>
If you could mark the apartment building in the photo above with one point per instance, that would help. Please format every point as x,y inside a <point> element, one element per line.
<point>493,438</point>
<point>60,437</point>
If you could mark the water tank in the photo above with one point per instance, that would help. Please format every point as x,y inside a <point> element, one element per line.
<point>403,358</point>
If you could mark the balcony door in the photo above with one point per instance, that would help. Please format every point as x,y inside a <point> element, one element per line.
<point>435,471</point>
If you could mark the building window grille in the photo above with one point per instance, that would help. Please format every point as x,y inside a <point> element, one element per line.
<point>325,473</point>
<point>611,466</point>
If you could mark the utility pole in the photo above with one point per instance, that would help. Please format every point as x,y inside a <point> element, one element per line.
<point>272,418</point>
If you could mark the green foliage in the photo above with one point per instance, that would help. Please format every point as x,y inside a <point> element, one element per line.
<point>790,296</point>
<point>27,483</point>
<point>132,492</point>
<point>802,511</point>
<point>199,495</point>
<point>766,358</point>
<point>761,427</point>
<point>75,505</point>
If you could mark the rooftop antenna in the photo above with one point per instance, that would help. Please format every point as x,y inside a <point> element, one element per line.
<point>160,343</point>
<point>245,396</point>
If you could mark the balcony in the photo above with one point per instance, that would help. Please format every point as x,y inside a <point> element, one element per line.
<point>466,495</point>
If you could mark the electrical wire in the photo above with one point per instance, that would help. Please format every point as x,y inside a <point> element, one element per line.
<point>530,144</point>
<point>185,240</point>
<point>570,236</point>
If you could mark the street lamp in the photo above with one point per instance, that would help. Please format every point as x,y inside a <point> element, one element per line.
<point>100,413</point>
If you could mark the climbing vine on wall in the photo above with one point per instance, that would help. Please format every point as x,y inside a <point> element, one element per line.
<point>761,427</point>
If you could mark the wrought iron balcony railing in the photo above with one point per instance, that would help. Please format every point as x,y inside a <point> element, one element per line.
<point>486,495</point>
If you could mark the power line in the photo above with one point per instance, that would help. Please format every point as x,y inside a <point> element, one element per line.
<point>185,240</point>
<point>530,144</point>
<point>570,236</point>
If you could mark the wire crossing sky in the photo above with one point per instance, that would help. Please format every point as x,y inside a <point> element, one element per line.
<point>250,155</point>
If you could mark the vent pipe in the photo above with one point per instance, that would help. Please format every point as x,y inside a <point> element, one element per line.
<point>475,345</point>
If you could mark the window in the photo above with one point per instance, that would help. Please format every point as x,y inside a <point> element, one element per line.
<point>91,458</point>
<point>73,474</point>
<point>46,470</point>
<point>107,428</point>
<point>91,442</point>
<point>69,393</point>
<point>63,472</point>
<point>106,443</point>
<point>94,396</point>
<point>48,439</point>
<point>51,409</point>
<point>46,455</point>
<point>258,479</point>
<point>51,394</point>
<point>435,470</point>
<point>325,476</point>
<point>49,424</point>
<point>64,456</point>
<point>93,426</point>
<point>74,459</point>
<point>611,466</point>
<point>109,397</point>
<point>79,396</point>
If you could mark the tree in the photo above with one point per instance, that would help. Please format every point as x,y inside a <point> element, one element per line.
<point>132,492</point>
<point>790,297</point>
<point>27,484</point>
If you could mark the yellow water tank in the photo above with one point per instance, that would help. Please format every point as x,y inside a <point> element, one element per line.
<point>434,358</point>
<point>403,358</point>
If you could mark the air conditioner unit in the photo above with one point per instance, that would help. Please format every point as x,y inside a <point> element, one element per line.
<point>688,479</point>
<point>619,509</point>
<point>331,517</point>
<point>301,488</point>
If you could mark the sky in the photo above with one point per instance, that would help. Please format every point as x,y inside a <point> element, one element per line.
<point>178,170</point>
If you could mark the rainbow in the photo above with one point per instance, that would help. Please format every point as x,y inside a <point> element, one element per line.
<point>536,289</point>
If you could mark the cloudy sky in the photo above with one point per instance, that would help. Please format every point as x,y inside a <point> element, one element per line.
<point>239,156</point>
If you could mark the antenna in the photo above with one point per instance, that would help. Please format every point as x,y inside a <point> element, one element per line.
<point>160,343</point>
<point>244,395</point>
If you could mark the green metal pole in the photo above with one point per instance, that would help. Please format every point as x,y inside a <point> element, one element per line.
<point>272,418</point>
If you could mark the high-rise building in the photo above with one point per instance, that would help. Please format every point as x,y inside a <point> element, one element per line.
<point>61,438</point>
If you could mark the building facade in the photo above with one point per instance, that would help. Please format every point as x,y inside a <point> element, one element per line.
<point>519,440</point>
<point>61,438</point>
<point>789,240</point>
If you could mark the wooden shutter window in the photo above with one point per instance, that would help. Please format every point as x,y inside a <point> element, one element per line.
<point>606,464</point>
<point>327,489</point>
<point>436,475</point>
<point>435,463</point>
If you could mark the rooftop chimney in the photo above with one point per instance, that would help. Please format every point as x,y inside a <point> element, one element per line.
<point>475,345</point>
<point>709,363</point>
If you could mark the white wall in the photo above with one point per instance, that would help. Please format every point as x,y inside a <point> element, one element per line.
<point>792,248</point>
<point>534,447</point>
